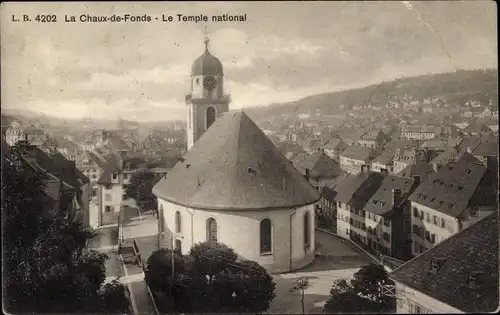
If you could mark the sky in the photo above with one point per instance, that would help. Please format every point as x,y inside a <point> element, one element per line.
<point>283,52</point>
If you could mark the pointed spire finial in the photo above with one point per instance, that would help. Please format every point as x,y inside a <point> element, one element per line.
<point>207,40</point>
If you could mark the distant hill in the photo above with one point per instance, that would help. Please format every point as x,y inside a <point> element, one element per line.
<point>455,88</point>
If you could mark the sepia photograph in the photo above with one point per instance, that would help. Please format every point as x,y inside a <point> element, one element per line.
<point>260,157</point>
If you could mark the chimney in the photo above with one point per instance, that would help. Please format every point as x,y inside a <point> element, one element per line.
<point>307,173</point>
<point>396,197</point>
<point>365,169</point>
<point>384,172</point>
<point>435,167</point>
<point>416,180</point>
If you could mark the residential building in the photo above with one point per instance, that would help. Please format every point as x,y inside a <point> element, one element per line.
<point>334,148</point>
<point>449,200</point>
<point>354,157</point>
<point>405,157</point>
<point>352,195</point>
<point>388,217</point>
<point>66,188</point>
<point>418,132</point>
<point>458,275</point>
<point>14,133</point>
<point>92,165</point>
<point>384,161</point>
<point>374,139</point>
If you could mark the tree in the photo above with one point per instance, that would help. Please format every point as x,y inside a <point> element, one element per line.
<point>48,268</point>
<point>301,285</point>
<point>362,293</point>
<point>211,279</point>
<point>140,189</point>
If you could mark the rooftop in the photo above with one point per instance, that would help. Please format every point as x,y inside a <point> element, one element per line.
<point>450,189</point>
<point>357,152</point>
<point>234,166</point>
<point>358,189</point>
<point>472,251</point>
<point>381,202</point>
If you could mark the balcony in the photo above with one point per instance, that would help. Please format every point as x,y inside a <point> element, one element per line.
<point>225,99</point>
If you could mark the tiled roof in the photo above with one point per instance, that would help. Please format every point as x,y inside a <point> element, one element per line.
<point>419,169</point>
<point>117,163</point>
<point>358,189</point>
<point>381,202</point>
<point>235,166</point>
<point>325,168</point>
<point>411,155</point>
<point>334,144</point>
<point>357,152</point>
<point>372,135</point>
<point>450,189</point>
<point>486,149</point>
<point>385,157</point>
<point>52,188</point>
<point>447,156</point>
<point>472,250</point>
<point>476,127</point>
<point>115,143</point>
<point>400,143</point>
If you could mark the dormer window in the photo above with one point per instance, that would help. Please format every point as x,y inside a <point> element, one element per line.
<point>473,212</point>
<point>436,264</point>
<point>474,279</point>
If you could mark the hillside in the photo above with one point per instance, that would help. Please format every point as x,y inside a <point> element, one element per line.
<point>455,88</point>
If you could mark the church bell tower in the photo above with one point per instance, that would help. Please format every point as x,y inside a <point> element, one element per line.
<point>206,101</point>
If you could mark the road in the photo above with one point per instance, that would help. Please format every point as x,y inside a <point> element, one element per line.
<point>337,259</point>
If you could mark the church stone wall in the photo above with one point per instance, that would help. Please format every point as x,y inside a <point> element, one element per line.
<point>241,231</point>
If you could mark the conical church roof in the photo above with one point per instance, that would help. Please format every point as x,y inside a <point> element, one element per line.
<point>234,166</point>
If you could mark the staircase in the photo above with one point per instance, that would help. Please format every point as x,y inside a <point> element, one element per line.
<point>128,253</point>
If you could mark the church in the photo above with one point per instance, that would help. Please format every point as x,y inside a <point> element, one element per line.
<point>233,186</point>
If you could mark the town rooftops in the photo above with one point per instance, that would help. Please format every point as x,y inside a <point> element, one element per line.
<point>450,189</point>
<point>420,169</point>
<point>461,271</point>
<point>357,153</point>
<point>118,163</point>
<point>358,189</point>
<point>318,164</point>
<point>381,202</point>
<point>486,149</point>
<point>385,157</point>
<point>449,155</point>
<point>401,143</point>
<point>333,144</point>
<point>234,166</point>
<point>476,127</point>
<point>419,128</point>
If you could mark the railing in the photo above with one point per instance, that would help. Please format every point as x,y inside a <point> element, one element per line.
<point>143,267</point>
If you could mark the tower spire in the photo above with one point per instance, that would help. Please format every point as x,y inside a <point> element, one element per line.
<point>207,40</point>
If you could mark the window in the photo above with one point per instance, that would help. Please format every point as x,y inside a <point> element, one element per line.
<point>427,217</point>
<point>210,116</point>
<point>265,236</point>
<point>443,223</point>
<point>107,208</point>
<point>415,212</point>
<point>415,247</point>
<point>436,263</point>
<point>125,176</point>
<point>211,230</point>
<point>178,226</point>
<point>433,238</point>
<point>107,197</point>
<point>115,176</point>
<point>473,212</point>
<point>434,220</point>
<point>307,232</point>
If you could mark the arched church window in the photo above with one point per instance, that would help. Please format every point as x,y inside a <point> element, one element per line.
<point>161,221</point>
<point>211,230</point>
<point>307,232</point>
<point>197,80</point>
<point>178,222</point>
<point>265,236</point>
<point>210,116</point>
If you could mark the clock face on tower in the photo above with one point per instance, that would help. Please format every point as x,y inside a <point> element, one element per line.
<point>209,83</point>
